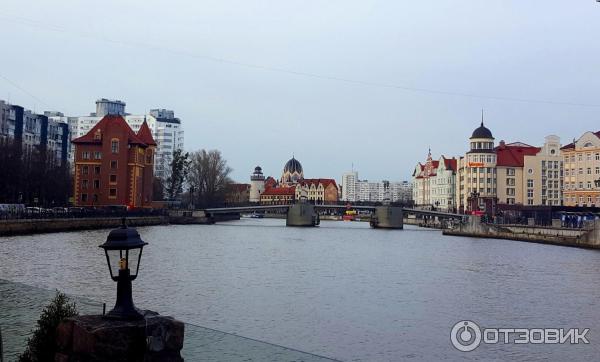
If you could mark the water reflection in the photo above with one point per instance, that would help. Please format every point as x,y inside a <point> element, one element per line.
<point>340,290</point>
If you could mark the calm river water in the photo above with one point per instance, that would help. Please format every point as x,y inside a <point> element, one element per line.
<point>341,290</point>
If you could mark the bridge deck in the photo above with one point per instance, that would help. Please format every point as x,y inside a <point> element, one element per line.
<point>226,210</point>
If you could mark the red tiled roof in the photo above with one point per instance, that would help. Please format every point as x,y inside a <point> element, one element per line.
<point>270,182</point>
<point>514,156</point>
<point>451,163</point>
<point>110,121</point>
<point>316,181</point>
<point>146,135</point>
<point>279,191</point>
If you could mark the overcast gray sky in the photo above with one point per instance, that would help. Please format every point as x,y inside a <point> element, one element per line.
<point>332,82</point>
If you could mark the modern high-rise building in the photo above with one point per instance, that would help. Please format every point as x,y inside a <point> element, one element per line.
<point>349,180</point>
<point>356,190</point>
<point>34,131</point>
<point>167,132</point>
<point>109,107</point>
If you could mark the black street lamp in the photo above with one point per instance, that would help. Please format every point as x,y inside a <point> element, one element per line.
<point>191,206</point>
<point>121,246</point>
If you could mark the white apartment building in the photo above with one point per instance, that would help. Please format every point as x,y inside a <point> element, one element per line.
<point>349,191</point>
<point>354,190</point>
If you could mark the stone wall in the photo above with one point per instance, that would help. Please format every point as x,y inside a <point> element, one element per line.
<point>93,338</point>
<point>588,237</point>
<point>34,226</point>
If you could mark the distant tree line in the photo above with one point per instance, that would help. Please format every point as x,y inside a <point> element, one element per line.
<point>200,178</point>
<point>34,177</point>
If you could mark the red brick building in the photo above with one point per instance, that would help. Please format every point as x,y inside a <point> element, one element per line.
<point>114,165</point>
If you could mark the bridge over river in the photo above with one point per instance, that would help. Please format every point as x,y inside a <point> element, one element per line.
<point>306,214</point>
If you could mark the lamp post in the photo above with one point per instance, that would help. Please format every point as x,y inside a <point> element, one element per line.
<point>475,201</point>
<point>121,247</point>
<point>191,206</point>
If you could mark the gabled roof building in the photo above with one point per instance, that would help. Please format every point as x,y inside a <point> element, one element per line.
<point>114,165</point>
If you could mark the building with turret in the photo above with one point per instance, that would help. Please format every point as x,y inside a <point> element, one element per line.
<point>257,184</point>
<point>292,187</point>
<point>114,165</point>
<point>477,179</point>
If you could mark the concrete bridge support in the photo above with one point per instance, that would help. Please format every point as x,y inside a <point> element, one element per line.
<point>387,217</point>
<point>302,215</point>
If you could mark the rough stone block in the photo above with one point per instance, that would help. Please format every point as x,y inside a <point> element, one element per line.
<point>93,338</point>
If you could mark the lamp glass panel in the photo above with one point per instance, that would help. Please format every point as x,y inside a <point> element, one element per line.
<point>134,255</point>
<point>114,257</point>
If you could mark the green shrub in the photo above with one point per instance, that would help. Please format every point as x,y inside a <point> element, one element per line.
<point>42,344</point>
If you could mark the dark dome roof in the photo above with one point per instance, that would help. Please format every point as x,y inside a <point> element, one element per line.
<point>292,166</point>
<point>482,132</point>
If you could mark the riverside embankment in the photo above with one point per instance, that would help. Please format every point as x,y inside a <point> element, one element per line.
<point>38,226</point>
<point>586,237</point>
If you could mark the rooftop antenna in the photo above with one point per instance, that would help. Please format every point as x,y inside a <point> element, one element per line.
<point>481,117</point>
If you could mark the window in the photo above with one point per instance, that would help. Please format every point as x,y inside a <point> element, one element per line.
<point>96,170</point>
<point>112,193</point>
<point>96,184</point>
<point>85,155</point>
<point>589,171</point>
<point>529,193</point>
<point>84,184</point>
<point>580,157</point>
<point>95,198</point>
<point>581,171</point>
<point>98,155</point>
<point>597,156</point>
<point>113,165</point>
<point>84,198</point>
<point>114,146</point>
<point>113,179</point>
<point>510,171</point>
<point>84,170</point>
<point>589,156</point>
<point>149,157</point>
<point>529,183</point>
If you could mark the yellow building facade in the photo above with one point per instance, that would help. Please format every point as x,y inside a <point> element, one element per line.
<point>582,171</point>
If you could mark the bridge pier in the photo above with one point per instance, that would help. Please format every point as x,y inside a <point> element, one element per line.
<point>302,214</point>
<point>387,217</point>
